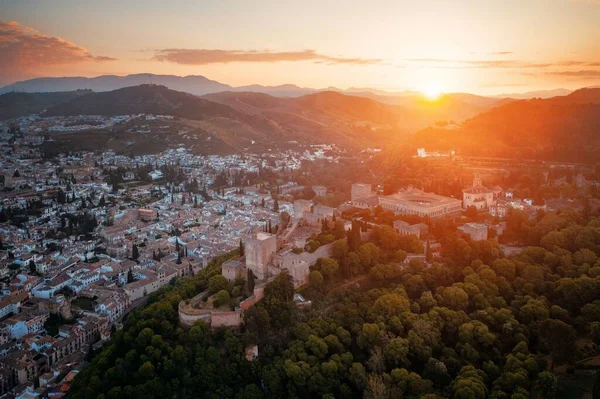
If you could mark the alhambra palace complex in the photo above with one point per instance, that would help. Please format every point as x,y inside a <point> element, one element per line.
<point>267,255</point>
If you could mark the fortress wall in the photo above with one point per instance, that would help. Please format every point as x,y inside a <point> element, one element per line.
<point>226,319</point>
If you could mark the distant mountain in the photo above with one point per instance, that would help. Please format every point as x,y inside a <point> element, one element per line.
<point>452,106</point>
<point>328,106</point>
<point>254,121</point>
<point>150,99</point>
<point>16,104</point>
<point>197,85</point>
<point>288,90</point>
<point>560,128</point>
<point>536,94</point>
<point>583,96</point>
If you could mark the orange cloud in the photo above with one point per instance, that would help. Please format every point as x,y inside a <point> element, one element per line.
<point>583,74</point>
<point>206,56</point>
<point>24,50</point>
<point>499,64</point>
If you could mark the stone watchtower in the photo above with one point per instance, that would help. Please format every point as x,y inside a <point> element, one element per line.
<point>259,252</point>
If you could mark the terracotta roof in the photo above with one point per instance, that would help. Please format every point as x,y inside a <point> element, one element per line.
<point>477,190</point>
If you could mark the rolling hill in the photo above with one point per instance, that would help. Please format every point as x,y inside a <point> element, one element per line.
<point>192,84</point>
<point>150,99</point>
<point>413,114</point>
<point>451,106</point>
<point>16,104</point>
<point>254,121</point>
<point>560,128</point>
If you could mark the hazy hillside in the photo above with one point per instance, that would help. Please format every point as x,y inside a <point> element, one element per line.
<point>253,121</point>
<point>561,128</point>
<point>200,85</point>
<point>192,84</point>
<point>150,99</point>
<point>328,106</point>
<point>451,106</point>
<point>583,96</point>
<point>564,127</point>
<point>15,104</point>
<point>536,94</point>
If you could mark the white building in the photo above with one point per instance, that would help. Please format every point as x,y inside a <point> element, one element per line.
<point>417,202</point>
<point>478,195</point>
<point>477,231</point>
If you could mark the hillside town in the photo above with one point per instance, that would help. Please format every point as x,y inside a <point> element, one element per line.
<point>87,237</point>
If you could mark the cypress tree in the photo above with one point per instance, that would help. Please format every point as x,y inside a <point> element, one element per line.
<point>129,276</point>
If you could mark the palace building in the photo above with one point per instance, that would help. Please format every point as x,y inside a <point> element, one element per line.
<point>478,195</point>
<point>412,201</point>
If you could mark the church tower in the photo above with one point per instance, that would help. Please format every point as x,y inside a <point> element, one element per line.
<point>477,180</point>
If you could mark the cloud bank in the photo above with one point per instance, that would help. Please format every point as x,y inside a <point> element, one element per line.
<point>206,56</point>
<point>25,49</point>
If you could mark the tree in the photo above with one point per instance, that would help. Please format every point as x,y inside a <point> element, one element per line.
<point>276,205</point>
<point>241,248</point>
<point>547,384</point>
<point>369,336</point>
<point>217,283</point>
<point>339,249</point>
<point>470,384</point>
<point>389,305</point>
<point>16,173</point>
<point>32,267</point>
<point>221,298</point>
<point>251,281</point>
<point>386,238</point>
<point>146,371</point>
<point>396,352</point>
<point>316,278</point>
<point>257,321</point>
<point>90,354</point>
<point>329,266</point>
<point>454,298</point>
<point>279,301</point>
<point>130,278</point>
<point>560,338</point>
<point>135,253</point>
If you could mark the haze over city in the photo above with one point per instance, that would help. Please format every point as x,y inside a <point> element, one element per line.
<point>487,47</point>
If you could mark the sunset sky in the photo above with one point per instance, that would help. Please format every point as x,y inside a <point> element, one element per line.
<point>477,46</point>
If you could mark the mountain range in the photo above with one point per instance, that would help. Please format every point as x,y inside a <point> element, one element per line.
<point>559,128</point>
<point>200,85</point>
<point>257,120</point>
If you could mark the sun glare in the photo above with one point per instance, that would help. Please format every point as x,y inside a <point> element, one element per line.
<point>432,91</point>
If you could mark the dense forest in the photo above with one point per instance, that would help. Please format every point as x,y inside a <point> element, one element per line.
<point>475,325</point>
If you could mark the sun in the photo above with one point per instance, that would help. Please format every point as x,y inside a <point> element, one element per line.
<point>432,91</point>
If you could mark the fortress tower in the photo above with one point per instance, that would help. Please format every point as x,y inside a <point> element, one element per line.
<point>259,253</point>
